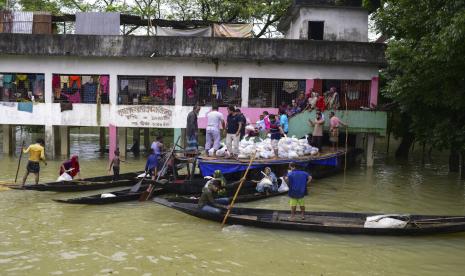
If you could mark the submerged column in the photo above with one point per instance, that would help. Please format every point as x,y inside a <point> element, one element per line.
<point>147,139</point>
<point>359,140</point>
<point>64,141</point>
<point>113,140</point>
<point>122,141</point>
<point>102,139</point>
<point>177,132</point>
<point>49,141</point>
<point>7,132</point>
<point>370,149</point>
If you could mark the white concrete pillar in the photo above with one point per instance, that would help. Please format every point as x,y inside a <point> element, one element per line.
<point>64,141</point>
<point>113,89</point>
<point>48,92</point>
<point>7,139</point>
<point>245,91</point>
<point>49,141</point>
<point>179,79</point>
<point>122,141</point>
<point>370,149</point>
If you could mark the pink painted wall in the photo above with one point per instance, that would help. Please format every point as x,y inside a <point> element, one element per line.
<point>309,84</point>
<point>252,113</point>
<point>374,91</point>
<point>113,137</point>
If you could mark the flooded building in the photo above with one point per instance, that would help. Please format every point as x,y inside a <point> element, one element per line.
<point>98,76</point>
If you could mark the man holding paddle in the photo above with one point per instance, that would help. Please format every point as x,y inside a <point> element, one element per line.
<point>36,154</point>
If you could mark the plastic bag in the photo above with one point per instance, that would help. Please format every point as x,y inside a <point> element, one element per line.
<point>283,187</point>
<point>64,177</point>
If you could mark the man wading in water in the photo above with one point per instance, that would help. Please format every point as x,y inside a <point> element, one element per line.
<point>36,154</point>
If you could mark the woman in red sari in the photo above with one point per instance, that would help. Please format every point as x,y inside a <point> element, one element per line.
<point>71,167</point>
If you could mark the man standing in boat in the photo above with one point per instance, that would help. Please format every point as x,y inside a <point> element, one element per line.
<point>334,123</point>
<point>36,154</point>
<point>213,135</point>
<point>298,181</point>
<point>317,124</point>
<point>192,129</point>
<point>233,131</point>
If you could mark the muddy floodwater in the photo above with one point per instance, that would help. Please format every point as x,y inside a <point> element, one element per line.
<point>42,237</point>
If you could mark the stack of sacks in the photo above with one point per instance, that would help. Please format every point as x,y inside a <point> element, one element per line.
<point>288,148</point>
<point>222,152</point>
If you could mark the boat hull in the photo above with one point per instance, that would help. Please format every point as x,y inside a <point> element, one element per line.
<point>326,222</point>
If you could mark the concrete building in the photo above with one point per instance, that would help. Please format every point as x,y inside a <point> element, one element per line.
<point>152,82</point>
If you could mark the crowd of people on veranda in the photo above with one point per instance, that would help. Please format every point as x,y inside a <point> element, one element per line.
<point>236,126</point>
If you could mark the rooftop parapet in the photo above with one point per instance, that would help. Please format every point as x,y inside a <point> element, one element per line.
<point>273,50</point>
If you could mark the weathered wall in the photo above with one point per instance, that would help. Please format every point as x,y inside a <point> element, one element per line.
<point>276,50</point>
<point>85,114</point>
<point>340,24</point>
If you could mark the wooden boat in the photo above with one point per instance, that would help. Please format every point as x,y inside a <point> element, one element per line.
<point>320,166</point>
<point>87,184</point>
<point>184,187</point>
<point>247,197</point>
<point>328,222</point>
<point>119,196</point>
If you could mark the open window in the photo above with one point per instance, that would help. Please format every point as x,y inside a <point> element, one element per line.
<point>316,30</point>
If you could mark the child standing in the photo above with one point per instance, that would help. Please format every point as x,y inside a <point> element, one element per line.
<point>115,163</point>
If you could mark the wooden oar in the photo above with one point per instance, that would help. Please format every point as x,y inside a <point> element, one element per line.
<point>136,187</point>
<point>238,189</point>
<point>19,161</point>
<point>148,193</point>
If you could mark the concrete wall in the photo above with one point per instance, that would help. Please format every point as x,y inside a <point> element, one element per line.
<point>49,113</point>
<point>340,24</point>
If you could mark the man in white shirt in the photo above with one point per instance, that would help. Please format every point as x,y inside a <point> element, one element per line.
<point>215,121</point>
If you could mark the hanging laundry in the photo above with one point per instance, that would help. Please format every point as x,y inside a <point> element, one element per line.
<point>232,30</point>
<point>26,107</point>
<point>64,80</point>
<point>75,82</point>
<point>66,106</point>
<point>86,79</point>
<point>104,84</point>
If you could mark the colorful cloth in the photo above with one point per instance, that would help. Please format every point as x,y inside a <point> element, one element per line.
<point>26,107</point>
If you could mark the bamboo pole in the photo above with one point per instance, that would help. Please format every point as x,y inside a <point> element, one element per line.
<point>238,189</point>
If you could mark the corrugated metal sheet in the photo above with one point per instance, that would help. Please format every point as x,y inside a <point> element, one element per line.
<point>98,23</point>
<point>22,22</point>
<point>42,23</point>
<point>6,21</point>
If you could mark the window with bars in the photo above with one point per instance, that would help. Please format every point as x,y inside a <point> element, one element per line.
<point>19,87</point>
<point>357,93</point>
<point>274,92</point>
<point>208,90</point>
<point>74,89</point>
<point>146,90</point>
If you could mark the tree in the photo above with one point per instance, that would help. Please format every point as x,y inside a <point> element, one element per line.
<point>426,71</point>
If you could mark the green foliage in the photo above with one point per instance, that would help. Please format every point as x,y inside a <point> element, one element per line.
<point>426,72</point>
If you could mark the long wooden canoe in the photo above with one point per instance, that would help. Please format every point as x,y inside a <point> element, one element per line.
<point>86,184</point>
<point>328,222</point>
<point>119,196</point>
<point>247,197</point>
<point>185,187</point>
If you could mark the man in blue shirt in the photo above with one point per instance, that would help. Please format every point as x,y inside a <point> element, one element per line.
<point>151,165</point>
<point>297,181</point>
